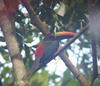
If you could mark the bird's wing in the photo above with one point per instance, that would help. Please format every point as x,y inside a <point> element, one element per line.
<point>50,48</point>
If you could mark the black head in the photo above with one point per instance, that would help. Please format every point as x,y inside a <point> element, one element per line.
<point>50,37</point>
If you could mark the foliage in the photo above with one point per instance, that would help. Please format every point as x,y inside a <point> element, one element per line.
<point>40,79</point>
<point>74,18</point>
<point>68,79</point>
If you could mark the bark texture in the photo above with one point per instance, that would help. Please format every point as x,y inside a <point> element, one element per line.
<point>8,28</point>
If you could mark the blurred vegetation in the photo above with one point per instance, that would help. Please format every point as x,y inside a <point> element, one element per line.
<point>73,17</point>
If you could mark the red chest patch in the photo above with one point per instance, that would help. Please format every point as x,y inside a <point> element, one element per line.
<point>39,50</point>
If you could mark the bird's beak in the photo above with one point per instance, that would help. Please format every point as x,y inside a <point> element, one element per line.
<point>64,35</point>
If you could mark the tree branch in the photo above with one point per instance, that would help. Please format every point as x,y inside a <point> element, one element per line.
<point>37,22</point>
<point>35,19</point>
<point>8,26</point>
<point>71,40</point>
<point>36,65</point>
<point>83,81</point>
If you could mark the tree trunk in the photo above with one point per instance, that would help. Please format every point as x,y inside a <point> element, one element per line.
<point>8,26</point>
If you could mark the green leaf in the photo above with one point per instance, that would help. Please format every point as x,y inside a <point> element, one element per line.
<point>72,83</point>
<point>40,79</point>
<point>29,39</point>
<point>28,58</point>
<point>5,55</point>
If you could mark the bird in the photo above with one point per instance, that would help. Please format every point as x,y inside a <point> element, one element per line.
<point>49,45</point>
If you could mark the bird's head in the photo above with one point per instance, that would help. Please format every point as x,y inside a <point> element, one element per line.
<point>50,37</point>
